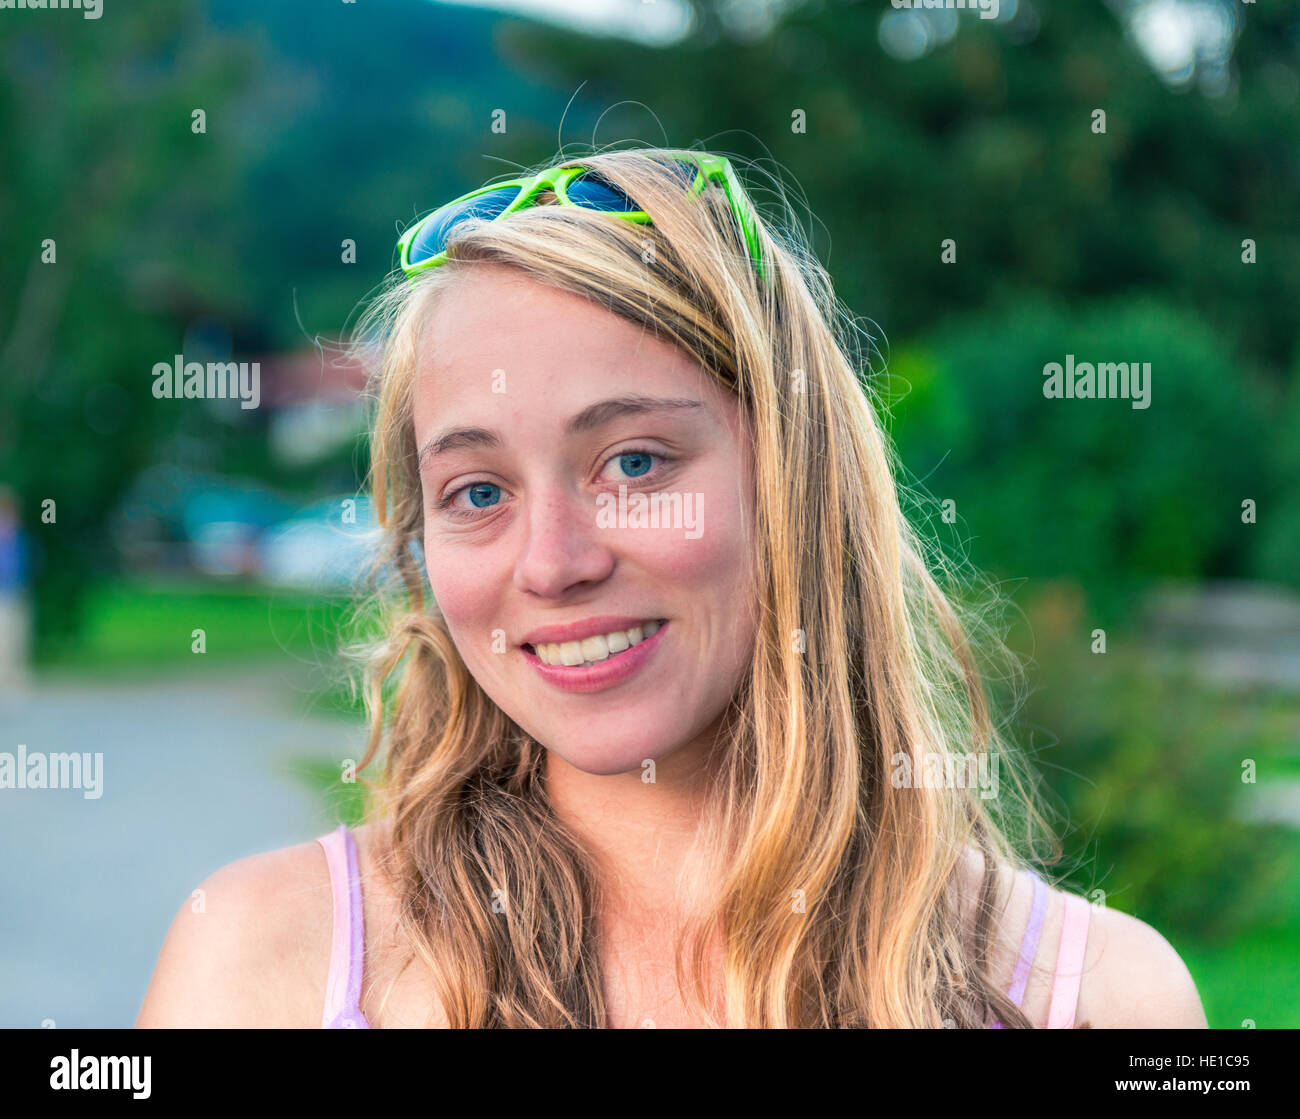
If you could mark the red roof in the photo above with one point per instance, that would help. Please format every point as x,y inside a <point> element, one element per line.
<point>305,375</point>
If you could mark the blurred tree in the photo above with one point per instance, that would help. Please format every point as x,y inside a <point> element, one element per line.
<point>99,158</point>
<point>1098,490</point>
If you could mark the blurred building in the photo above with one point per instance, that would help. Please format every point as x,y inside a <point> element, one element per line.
<point>183,519</point>
<point>314,401</point>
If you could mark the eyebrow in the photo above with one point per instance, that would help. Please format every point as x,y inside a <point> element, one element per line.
<point>593,416</point>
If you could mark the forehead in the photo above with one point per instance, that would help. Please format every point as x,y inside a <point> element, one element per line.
<point>499,338</point>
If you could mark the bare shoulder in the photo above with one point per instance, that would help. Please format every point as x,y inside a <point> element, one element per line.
<point>1011,900</point>
<point>1132,978</point>
<point>250,947</point>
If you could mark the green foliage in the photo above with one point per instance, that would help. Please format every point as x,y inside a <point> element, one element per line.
<point>345,801</point>
<point>106,166</point>
<point>1094,489</point>
<point>1147,762</point>
<point>1276,555</point>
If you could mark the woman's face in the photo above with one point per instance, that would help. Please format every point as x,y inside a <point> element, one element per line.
<point>533,407</point>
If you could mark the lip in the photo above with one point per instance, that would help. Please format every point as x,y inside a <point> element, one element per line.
<point>588,627</point>
<point>607,673</point>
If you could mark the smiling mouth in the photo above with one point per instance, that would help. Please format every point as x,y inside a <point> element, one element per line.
<point>594,650</point>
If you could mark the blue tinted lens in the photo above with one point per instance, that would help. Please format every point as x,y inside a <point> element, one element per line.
<point>597,193</point>
<point>685,171</point>
<point>432,239</point>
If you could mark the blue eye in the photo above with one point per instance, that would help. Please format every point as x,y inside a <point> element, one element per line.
<point>640,463</point>
<point>487,495</point>
<point>476,492</point>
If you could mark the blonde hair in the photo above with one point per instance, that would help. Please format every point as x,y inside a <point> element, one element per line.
<point>836,890</point>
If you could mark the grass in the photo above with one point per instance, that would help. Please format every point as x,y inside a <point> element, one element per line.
<point>132,626</point>
<point>345,799</point>
<point>1252,978</point>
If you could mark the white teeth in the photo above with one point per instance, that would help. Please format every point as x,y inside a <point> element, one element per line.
<point>593,650</point>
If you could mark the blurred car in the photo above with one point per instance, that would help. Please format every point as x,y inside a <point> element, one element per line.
<point>325,546</point>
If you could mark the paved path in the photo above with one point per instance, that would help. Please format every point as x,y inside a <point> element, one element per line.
<point>1239,636</point>
<point>195,776</point>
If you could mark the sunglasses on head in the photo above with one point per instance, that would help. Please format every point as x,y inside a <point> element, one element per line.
<point>424,245</point>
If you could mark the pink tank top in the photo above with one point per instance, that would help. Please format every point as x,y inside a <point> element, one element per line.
<point>343,988</point>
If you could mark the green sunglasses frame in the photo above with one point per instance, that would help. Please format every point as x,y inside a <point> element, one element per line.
<point>710,169</point>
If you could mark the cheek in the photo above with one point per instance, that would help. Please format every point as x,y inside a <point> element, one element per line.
<point>712,552</point>
<point>717,569</point>
<point>464,592</point>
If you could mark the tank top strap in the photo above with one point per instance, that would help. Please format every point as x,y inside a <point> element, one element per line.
<point>347,949</point>
<point>1069,963</point>
<point>1029,942</point>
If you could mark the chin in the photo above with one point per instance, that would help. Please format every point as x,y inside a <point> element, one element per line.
<point>606,763</point>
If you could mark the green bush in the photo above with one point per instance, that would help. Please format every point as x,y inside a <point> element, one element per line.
<point>1278,512</point>
<point>1091,489</point>
<point>1147,763</point>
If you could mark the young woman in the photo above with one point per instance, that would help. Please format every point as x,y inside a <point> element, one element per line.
<point>668,679</point>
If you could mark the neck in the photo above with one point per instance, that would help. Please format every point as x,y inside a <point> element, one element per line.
<point>639,831</point>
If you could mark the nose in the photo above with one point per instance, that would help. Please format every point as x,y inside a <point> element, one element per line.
<point>562,545</point>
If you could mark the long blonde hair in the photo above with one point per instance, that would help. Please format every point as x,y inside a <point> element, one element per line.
<point>836,888</point>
